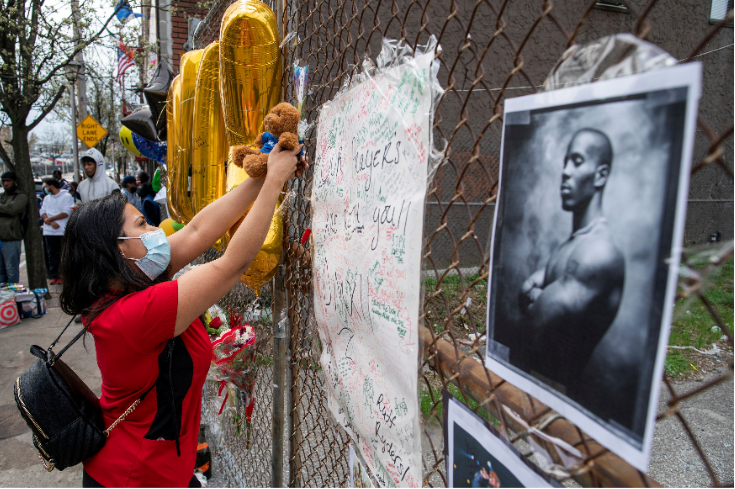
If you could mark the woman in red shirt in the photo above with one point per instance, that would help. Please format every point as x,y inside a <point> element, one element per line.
<point>117,273</point>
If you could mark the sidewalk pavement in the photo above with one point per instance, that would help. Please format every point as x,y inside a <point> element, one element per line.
<point>19,462</point>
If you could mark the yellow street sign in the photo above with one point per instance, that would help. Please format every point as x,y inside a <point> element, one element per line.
<point>90,131</point>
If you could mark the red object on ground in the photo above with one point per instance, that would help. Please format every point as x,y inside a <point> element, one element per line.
<point>9,314</point>
<point>306,235</point>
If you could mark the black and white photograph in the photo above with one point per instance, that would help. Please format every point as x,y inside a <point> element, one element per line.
<point>585,248</point>
<point>478,456</point>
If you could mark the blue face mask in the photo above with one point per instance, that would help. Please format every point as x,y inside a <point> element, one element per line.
<point>156,261</point>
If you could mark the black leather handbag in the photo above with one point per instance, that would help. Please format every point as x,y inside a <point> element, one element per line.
<point>61,411</point>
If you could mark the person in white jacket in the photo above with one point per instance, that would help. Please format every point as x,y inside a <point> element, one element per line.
<point>55,212</point>
<point>97,184</point>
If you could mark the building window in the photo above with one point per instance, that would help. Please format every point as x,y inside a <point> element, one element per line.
<point>719,11</point>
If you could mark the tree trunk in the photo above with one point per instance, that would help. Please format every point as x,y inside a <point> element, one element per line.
<point>36,265</point>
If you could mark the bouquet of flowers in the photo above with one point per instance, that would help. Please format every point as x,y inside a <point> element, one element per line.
<point>216,321</point>
<point>233,362</point>
<point>233,356</point>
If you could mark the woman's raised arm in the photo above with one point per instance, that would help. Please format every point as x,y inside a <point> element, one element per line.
<point>212,223</point>
<point>208,283</point>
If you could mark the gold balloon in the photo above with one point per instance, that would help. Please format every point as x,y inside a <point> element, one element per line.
<point>182,183</point>
<point>250,81</point>
<point>209,144</point>
<point>173,102</point>
<point>250,68</point>
<point>263,267</point>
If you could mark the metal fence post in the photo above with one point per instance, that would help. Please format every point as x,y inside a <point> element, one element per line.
<point>280,345</point>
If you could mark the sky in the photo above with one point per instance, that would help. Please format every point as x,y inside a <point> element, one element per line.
<point>100,54</point>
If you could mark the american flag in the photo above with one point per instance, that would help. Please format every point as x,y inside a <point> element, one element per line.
<point>124,59</point>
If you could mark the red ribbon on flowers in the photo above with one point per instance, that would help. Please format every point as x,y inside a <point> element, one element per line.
<point>222,385</point>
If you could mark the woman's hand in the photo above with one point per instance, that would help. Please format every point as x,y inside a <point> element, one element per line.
<point>302,165</point>
<point>282,164</point>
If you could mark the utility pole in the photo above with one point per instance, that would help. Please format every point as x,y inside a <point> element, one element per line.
<point>81,78</point>
<point>157,7</point>
<point>74,138</point>
<point>113,126</point>
<point>144,38</point>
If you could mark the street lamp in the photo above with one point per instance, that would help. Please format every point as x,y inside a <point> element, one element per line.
<point>73,68</point>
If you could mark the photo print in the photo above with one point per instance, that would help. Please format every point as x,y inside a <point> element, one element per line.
<point>478,456</point>
<point>585,248</point>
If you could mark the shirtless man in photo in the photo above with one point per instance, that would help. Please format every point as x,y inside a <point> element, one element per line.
<point>571,302</point>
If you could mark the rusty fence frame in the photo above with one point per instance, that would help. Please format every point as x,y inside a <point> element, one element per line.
<point>335,36</point>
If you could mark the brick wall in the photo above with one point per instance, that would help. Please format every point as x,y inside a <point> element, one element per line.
<point>181,13</point>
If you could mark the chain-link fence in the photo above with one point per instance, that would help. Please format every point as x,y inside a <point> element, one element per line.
<point>243,450</point>
<point>490,50</point>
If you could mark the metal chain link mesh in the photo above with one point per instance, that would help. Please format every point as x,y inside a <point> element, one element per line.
<point>237,461</point>
<point>491,50</point>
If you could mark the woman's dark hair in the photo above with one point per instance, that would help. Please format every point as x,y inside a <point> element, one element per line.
<point>91,261</point>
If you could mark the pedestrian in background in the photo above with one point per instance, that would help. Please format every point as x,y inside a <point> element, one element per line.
<point>130,191</point>
<point>55,213</point>
<point>151,209</point>
<point>143,177</point>
<point>74,193</point>
<point>97,184</point>
<point>60,178</point>
<point>12,210</point>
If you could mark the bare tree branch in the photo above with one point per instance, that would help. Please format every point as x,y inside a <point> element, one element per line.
<point>6,158</point>
<point>76,51</point>
<point>48,108</point>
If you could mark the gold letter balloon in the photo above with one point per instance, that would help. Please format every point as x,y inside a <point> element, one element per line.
<point>182,184</point>
<point>209,144</point>
<point>219,100</point>
<point>173,118</point>
<point>250,68</point>
<point>209,148</point>
<point>250,80</point>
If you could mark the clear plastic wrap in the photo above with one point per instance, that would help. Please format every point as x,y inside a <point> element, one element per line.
<point>606,58</point>
<point>234,366</point>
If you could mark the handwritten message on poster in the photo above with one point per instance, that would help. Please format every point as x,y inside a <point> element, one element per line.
<point>370,175</point>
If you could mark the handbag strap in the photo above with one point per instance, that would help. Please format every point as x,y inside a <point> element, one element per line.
<point>62,332</point>
<point>58,355</point>
<point>79,335</point>
<point>128,411</point>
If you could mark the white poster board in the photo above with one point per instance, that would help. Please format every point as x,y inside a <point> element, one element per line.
<point>370,174</point>
<point>358,473</point>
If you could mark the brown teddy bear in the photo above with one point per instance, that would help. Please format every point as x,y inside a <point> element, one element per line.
<point>280,125</point>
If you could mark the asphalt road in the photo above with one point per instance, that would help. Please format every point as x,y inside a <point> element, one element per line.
<point>675,462</point>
